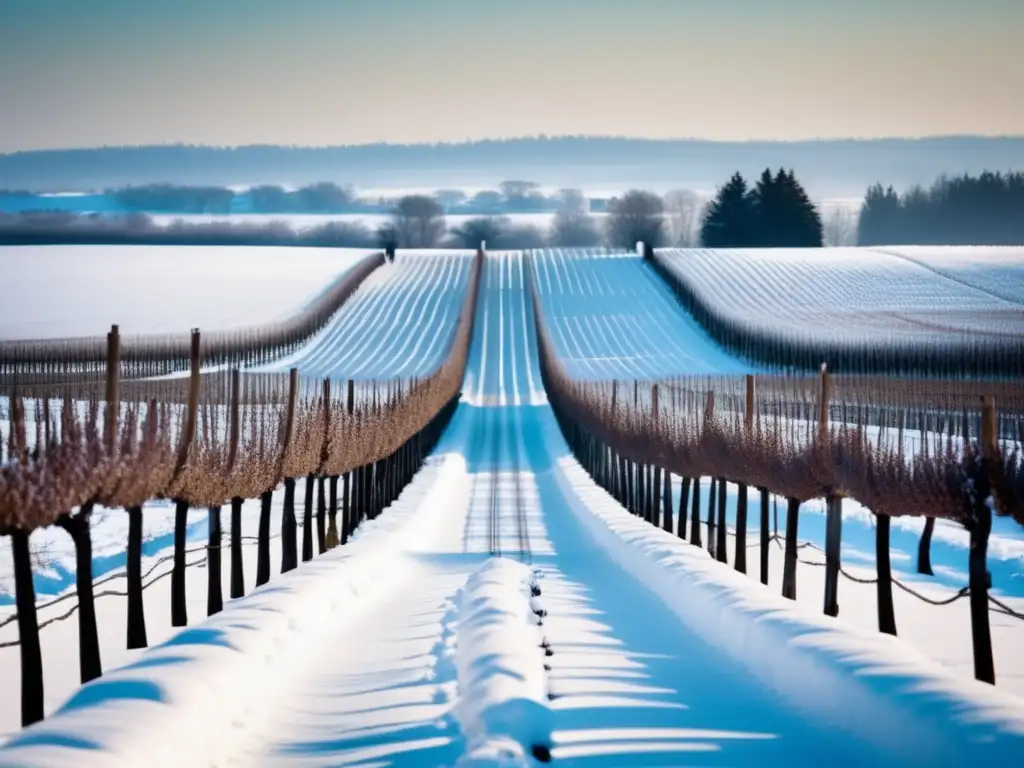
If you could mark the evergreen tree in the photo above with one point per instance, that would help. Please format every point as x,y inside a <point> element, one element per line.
<point>768,203</point>
<point>965,210</point>
<point>879,216</point>
<point>804,229</point>
<point>730,220</point>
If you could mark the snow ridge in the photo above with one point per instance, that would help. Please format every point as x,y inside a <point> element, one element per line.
<point>503,699</point>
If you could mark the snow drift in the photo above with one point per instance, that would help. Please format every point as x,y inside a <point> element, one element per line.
<point>503,704</point>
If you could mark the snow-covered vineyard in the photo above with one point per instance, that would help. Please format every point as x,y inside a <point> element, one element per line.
<point>506,609</point>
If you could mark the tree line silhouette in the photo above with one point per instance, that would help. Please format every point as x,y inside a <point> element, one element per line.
<point>963,210</point>
<point>775,213</point>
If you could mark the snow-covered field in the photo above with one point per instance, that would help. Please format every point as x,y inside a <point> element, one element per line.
<point>997,270</point>
<point>81,290</point>
<point>610,316</point>
<point>398,324</point>
<point>851,294</point>
<point>652,653</point>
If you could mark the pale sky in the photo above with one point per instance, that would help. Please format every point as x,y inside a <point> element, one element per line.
<point>314,72</point>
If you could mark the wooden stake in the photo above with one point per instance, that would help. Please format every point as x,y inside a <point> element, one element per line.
<point>192,408</point>
<point>826,395</point>
<point>113,386</point>
<point>234,415</point>
<point>748,415</point>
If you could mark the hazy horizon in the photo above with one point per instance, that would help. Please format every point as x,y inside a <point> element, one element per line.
<point>349,73</point>
<point>523,137</point>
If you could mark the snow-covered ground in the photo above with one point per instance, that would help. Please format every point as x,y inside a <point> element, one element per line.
<point>398,324</point>
<point>81,290</point>
<point>610,316</point>
<point>59,636</point>
<point>997,270</point>
<point>653,654</point>
<point>848,294</point>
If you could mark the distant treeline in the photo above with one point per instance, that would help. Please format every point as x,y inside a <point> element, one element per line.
<point>774,212</point>
<point>964,210</point>
<point>60,228</point>
<point>322,197</point>
<point>415,230</point>
<point>830,168</point>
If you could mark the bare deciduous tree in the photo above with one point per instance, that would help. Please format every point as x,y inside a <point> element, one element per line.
<point>636,216</point>
<point>840,227</point>
<point>486,229</point>
<point>682,212</point>
<point>573,227</point>
<point>419,221</point>
<point>517,189</point>
<point>449,197</point>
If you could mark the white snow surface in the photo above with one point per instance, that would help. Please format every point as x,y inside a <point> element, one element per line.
<point>500,661</point>
<point>398,324</point>
<point>203,696</point>
<point>81,290</point>
<point>844,294</point>
<point>873,687</point>
<point>609,315</point>
<point>997,270</point>
<point>660,655</point>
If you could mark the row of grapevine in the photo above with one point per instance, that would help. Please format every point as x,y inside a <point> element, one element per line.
<point>896,345</point>
<point>805,438</point>
<point>77,361</point>
<point>213,441</point>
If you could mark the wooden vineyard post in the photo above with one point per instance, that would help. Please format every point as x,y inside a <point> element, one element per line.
<point>234,428</point>
<point>112,394</point>
<point>721,544</point>
<point>346,488</point>
<point>764,534</point>
<point>833,507</point>
<point>709,414</point>
<point>289,551</point>
<point>179,609</point>
<point>741,489</point>
<point>192,408</point>
<point>712,505</point>
<point>824,399</point>
<point>214,592</point>
<point>666,520</point>
<point>695,514</point>
<point>790,563</point>
<point>321,506</point>
<point>684,500</point>
<point>237,570</point>
<point>655,484</point>
<point>883,586</point>
<point>32,691</point>
<point>833,549</point>
<point>980,527</point>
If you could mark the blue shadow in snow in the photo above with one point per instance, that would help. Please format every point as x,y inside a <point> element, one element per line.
<point>859,540</point>
<point>200,636</point>
<point>57,579</point>
<point>102,691</point>
<point>35,738</point>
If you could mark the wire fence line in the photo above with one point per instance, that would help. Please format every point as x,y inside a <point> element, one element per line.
<point>209,442</point>
<point>115,593</point>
